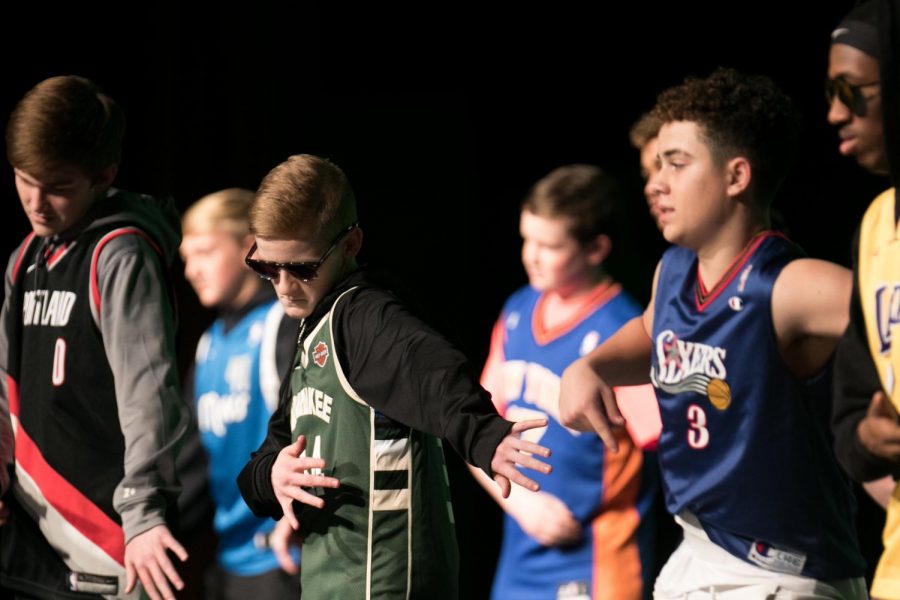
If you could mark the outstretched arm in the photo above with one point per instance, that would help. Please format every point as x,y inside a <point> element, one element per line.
<point>586,398</point>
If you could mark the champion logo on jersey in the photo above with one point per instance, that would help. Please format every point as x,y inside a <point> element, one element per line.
<point>320,354</point>
<point>512,320</point>
<point>736,303</point>
<point>773,559</point>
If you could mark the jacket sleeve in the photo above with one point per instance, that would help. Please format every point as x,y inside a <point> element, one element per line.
<point>255,479</point>
<point>136,321</point>
<point>855,381</point>
<point>7,443</point>
<point>413,375</point>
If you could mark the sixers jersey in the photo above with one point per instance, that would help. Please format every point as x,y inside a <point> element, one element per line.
<point>744,446</point>
<point>609,494</point>
<point>235,391</point>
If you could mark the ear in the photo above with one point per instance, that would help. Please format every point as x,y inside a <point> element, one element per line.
<point>598,249</point>
<point>105,178</point>
<point>246,243</point>
<point>353,242</point>
<point>739,175</point>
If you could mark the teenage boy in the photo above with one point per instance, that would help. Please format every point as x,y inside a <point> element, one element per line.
<point>234,387</point>
<point>738,335</point>
<point>356,438</point>
<point>866,429</point>
<point>87,353</point>
<point>587,533</point>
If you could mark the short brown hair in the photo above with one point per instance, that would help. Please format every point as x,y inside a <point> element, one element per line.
<point>739,115</point>
<point>644,130</point>
<point>65,121</point>
<point>304,194</point>
<point>225,211</point>
<point>583,194</point>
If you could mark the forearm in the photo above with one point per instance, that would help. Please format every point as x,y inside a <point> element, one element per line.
<point>413,375</point>
<point>624,359</point>
<point>137,326</point>
<point>255,479</point>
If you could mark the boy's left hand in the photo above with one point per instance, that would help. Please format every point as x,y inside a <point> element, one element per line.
<point>514,451</point>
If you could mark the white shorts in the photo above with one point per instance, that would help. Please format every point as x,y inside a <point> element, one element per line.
<point>701,570</point>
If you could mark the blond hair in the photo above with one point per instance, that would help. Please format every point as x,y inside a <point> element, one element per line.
<point>226,211</point>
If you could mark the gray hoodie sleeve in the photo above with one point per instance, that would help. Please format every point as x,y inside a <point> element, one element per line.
<point>136,322</point>
<point>7,447</point>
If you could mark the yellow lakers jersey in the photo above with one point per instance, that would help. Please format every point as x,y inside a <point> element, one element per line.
<point>879,294</point>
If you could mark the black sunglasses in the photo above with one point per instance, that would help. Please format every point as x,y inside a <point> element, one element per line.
<point>849,94</point>
<point>304,271</point>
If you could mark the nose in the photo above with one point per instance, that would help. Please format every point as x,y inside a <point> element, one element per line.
<point>35,198</point>
<point>838,112</point>
<point>651,190</point>
<point>283,283</point>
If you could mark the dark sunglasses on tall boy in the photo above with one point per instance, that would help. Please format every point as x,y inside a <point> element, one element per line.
<point>849,94</point>
<point>304,271</point>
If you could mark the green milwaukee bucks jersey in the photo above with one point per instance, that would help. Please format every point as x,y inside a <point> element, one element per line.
<point>388,531</point>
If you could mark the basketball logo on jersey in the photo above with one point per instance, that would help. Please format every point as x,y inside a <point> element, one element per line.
<point>45,308</point>
<point>320,354</point>
<point>887,313</point>
<point>736,303</point>
<point>512,321</point>
<point>691,367</point>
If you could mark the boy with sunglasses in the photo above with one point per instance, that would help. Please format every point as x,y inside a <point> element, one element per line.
<point>356,439</point>
<point>738,336</point>
<point>233,386</point>
<point>865,421</point>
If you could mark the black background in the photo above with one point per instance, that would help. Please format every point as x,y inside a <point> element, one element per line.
<point>442,119</point>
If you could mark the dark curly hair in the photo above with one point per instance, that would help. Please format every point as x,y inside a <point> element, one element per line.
<point>739,115</point>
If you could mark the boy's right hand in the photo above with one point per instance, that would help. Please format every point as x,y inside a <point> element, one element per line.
<point>290,475</point>
<point>586,403</point>
<point>514,451</point>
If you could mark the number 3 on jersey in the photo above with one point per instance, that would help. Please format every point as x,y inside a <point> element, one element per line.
<point>698,434</point>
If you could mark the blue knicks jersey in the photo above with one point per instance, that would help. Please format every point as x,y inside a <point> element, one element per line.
<point>609,494</point>
<point>236,390</point>
<point>745,445</point>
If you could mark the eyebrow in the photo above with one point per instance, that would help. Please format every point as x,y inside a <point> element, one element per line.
<point>673,152</point>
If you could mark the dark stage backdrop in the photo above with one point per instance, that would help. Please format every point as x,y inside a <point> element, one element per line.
<point>442,120</point>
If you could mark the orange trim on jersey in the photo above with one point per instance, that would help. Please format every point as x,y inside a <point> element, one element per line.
<point>95,287</point>
<point>492,375</point>
<point>21,255</point>
<point>617,559</point>
<point>702,298</point>
<point>71,504</point>
<point>602,293</point>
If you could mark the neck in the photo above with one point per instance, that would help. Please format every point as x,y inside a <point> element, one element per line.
<point>579,290</point>
<point>249,288</point>
<point>717,255</point>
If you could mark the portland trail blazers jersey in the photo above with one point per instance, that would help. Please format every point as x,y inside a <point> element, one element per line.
<point>610,495</point>
<point>236,390</point>
<point>387,531</point>
<point>745,445</point>
<point>69,444</point>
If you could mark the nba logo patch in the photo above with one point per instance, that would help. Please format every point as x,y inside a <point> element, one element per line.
<point>773,559</point>
<point>320,354</point>
<point>736,303</point>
